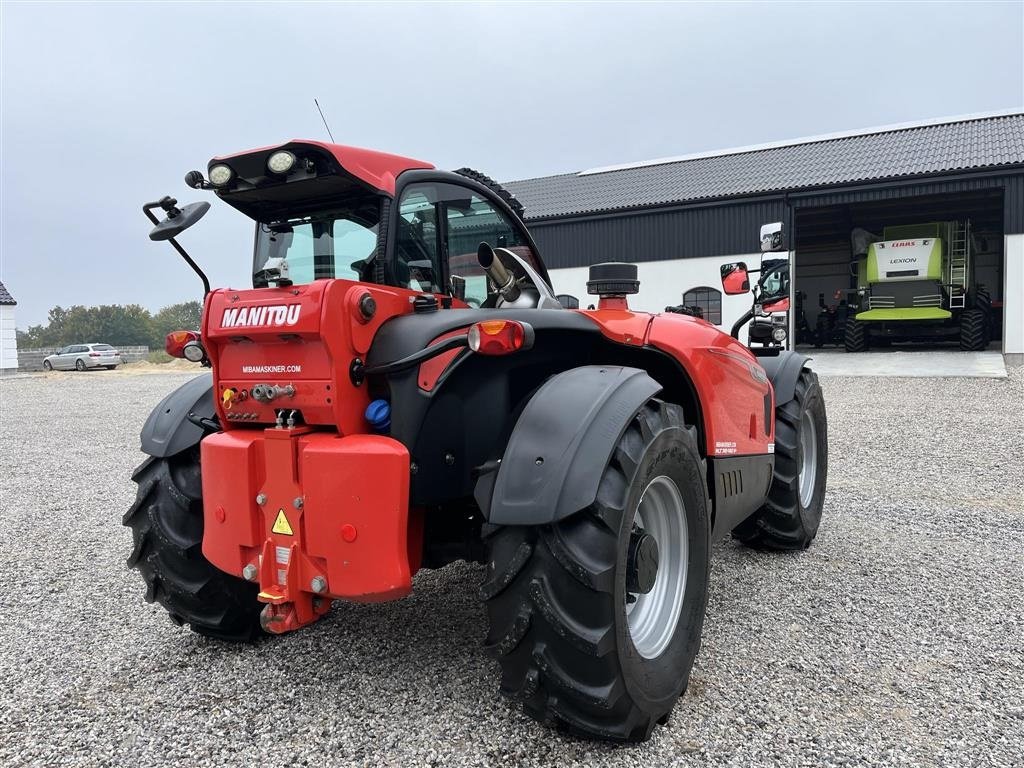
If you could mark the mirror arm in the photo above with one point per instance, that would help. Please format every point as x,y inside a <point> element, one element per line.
<point>148,210</point>
<point>744,319</point>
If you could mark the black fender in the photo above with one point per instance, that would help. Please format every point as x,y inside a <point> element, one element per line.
<point>168,430</point>
<point>564,438</point>
<point>783,370</point>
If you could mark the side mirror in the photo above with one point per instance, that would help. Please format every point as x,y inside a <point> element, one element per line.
<point>178,219</point>
<point>568,301</point>
<point>735,279</point>
<point>772,237</point>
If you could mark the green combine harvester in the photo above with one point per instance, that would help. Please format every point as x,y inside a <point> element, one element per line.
<point>917,284</point>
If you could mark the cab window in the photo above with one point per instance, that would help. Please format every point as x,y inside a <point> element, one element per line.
<point>440,227</point>
<point>417,249</point>
<point>330,245</point>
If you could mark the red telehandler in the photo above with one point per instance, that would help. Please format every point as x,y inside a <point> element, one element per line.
<point>401,388</point>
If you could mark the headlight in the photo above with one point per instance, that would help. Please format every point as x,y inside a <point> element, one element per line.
<point>220,175</point>
<point>281,162</point>
<point>779,334</point>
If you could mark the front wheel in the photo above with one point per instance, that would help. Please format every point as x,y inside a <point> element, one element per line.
<point>855,336</point>
<point>47,365</point>
<point>596,619</point>
<point>791,515</point>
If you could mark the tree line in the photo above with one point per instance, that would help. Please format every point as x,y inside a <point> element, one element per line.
<point>117,324</point>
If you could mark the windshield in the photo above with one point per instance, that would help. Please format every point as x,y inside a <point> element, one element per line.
<point>336,244</point>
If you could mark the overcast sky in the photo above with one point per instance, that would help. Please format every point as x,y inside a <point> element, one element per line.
<point>106,106</point>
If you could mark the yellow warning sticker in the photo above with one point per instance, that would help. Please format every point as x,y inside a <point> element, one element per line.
<point>281,524</point>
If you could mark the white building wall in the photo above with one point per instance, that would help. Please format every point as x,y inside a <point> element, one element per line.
<point>8,339</point>
<point>663,283</point>
<point>1013,295</point>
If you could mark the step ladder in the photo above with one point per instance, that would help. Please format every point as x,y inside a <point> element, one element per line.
<point>959,263</point>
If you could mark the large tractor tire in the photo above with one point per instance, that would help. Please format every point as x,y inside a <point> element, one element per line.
<point>820,332</point>
<point>790,517</point>
<point>167,529</point>
<point>983,301</point>
<point>855,336</point>
<point>596,619</point>
<point>973,330</point>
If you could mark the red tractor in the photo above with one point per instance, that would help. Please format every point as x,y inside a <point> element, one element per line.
<point>401,389</point>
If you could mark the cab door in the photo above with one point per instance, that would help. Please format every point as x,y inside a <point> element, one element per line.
<point>439,221</point>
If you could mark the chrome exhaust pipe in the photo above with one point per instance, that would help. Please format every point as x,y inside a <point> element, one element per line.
<point>504,280</point>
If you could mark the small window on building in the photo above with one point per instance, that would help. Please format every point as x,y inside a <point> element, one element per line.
<point>707,300</point>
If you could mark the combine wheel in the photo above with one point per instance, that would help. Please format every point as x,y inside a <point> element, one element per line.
<point>973,330</point>
<point>167,529</point>
<point>791,515</point>
<point>983,301</point>
<point>596,619</point>
<point>855,337</point>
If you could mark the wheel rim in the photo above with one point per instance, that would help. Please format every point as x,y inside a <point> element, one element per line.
<point>809,465</point>
<point>80,365</point>
<point>653,617</point>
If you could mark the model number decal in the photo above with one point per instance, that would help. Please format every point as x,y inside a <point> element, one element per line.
<point>271,369</point>
<point>282,314</point>
<point>722,446</point>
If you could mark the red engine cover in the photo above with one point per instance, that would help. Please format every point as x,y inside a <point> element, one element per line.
<point>734,392</point>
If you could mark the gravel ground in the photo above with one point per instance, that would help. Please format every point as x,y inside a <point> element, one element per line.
<point>895,640</point>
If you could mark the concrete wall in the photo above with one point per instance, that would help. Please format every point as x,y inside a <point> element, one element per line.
<point>32,359</point>
<point>1013,297</point>
<point>8,339</point>
<point>663,283</point>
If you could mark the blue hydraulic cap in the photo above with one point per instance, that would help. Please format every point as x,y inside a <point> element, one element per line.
<point>378,414</point>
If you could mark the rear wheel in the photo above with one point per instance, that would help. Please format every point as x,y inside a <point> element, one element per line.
<point>79,364</point>
<point>973,335</point>
<point>791,515</point>
<point>596,619</point>
<point>855,336</point>
<point>167,529</point>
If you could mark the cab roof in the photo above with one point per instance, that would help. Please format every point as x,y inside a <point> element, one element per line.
<point>375,169</point>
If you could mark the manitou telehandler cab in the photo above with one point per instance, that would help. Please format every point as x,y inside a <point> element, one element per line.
<point>401,389</point>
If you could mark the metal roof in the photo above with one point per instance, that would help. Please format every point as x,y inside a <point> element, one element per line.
<point>953,144</point>
<point>5,298</point>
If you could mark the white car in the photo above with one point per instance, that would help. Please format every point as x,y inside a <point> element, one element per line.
<point>82,356</point>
